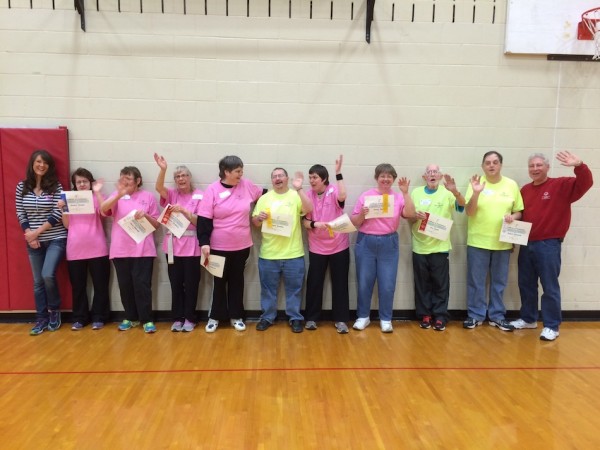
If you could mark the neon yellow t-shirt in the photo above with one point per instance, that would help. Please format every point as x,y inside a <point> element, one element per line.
<point>440,203</point>
<point>495,201</point>
<point>281,247</point>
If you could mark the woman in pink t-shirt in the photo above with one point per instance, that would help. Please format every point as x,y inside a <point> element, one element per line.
<point>133,261</point>
<point>224,230</point>
<point>183,254</point>
<point>326,248</point>
<point>377,252</point>
<point>87,252</point>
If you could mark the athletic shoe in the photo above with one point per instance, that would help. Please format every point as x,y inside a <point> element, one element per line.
<point>127,324</point>
<point>39,327</point>
<point>310,325</point>
<point>425,322</point>
<point>149,327</point>
<point>471,323</point>
<point>188,326</point>
<point>521,324</point>
<point>177,326</point>
<point>263,324</point>
<point>97,325</point>
<point>211,326</point>
<point>296,326</point>
<point>439,325</point>
<point>503,324</point>
<point>341,327</point>
<point>361,323</point>
<point>77,326</point>
<point>54,320</point>
<point>238,324</point>
<point>548,334</point>
<point>386,326</point>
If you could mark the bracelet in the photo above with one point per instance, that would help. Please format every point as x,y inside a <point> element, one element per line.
<point>339,177</point>
<point>312,224</point>
<point>299,189</point>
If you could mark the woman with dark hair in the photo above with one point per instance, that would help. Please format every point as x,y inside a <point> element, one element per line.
<point>87,252</point>
<point>133,262</point>
<point>377,249</point>
<point>183,254</point>
<point>224,230</point>
<point>37,198</point>
<point>326,248</point>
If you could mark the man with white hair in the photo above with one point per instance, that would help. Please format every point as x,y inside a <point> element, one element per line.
<point>548,207</point>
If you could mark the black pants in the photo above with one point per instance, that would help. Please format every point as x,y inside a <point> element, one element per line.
<point>135,285</point>
<point>99,270</point>
<point>339,264</point>
<point>228,292</point>
<point>431,275</point>
<point>184,275</point>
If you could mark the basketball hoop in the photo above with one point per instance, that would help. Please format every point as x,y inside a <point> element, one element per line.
<point>589,29</point>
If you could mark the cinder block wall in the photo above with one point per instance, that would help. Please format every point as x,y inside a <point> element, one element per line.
<point>291,84</point>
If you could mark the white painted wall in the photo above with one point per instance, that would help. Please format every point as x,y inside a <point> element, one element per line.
<point>299,91</point>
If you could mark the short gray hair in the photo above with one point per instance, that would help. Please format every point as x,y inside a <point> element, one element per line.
<point>540,156</point>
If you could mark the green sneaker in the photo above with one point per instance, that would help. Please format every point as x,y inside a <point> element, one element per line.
<point>127,324</point>
<point>149,327</point>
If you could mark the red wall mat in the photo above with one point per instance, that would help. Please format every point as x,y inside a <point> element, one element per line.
<point>16,145</point>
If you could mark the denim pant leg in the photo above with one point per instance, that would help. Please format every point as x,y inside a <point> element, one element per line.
<point>269,273</point>
<point>548,255</point>
<point>44,263</point>
<point>388,255</point>
<point>293,280</point>
<point>365,261</point>
<point>478,263</point>
<point>528,283</point>
<point>498,281</point>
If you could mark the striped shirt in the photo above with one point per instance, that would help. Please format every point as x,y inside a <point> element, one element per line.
<point>33,211</point>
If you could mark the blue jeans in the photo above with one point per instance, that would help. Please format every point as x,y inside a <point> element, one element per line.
<point>540,260</point>
<point>376,260</point>
<point>44,261</point>
<point>480,263</point>
<point>271,271</point>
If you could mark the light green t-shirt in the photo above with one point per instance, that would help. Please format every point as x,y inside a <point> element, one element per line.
<point>495,201</point>
<point>281,247</point>
<point>440,203</point>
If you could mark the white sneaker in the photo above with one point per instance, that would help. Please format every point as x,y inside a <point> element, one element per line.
<point>548,334</point>
<point>521,324</point>
<point>211,326</point>
<point>361,323</point>
<point>238,324</point>
<point>386,326</point>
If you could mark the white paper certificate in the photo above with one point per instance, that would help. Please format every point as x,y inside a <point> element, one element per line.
<point>516,232</point>
<point>175,222</point>
<point>342,225</point>
<point>436,227</point>
<point>78,202</point>
<point>379,206</point>
<point>215,264</point>
<point>279,224</point>
<point>136,229</point>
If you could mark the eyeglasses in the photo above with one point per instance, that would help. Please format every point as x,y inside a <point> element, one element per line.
<point>275,176</point>
<point>181,175</point>
<point>432,172</point>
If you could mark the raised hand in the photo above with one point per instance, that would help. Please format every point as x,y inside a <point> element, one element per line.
<point>338,164</point>
<point>97,185</point>
<point>476,183</point>
<point>403,184</point>
<point>298,180</point>
<point>161,161</point>
<point>449,183</point>
<point>568,159</point>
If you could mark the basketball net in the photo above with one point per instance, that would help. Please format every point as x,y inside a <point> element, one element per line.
<point>592,22</point>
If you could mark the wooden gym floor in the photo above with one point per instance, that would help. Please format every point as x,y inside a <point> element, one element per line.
<point>463,389</point>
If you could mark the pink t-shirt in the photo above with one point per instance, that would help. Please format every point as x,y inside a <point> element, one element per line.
<point>86,238</point>
<point>188,244</point>
<point>229,208</point>
<point>381,225</point>
<point>121,244</point>
<point>325,209</point>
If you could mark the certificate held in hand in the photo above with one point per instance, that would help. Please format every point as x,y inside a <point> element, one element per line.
<point>137,229</point>
<point>78,202</point>
<point>175,222</point>
<point>379,206</point>
<point>436,227</point>
<point>516,232</point>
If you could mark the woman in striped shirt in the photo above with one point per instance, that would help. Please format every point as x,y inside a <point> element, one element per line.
<point>37,200</point>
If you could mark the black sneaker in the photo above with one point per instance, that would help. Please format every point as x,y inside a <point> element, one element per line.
<point>439,325</point>
<point>425,322</point>
<point>54,320</point>
<point>503,324</point>
<point>263,325</point>
<point>296,326</point>
<point>471,323</point>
